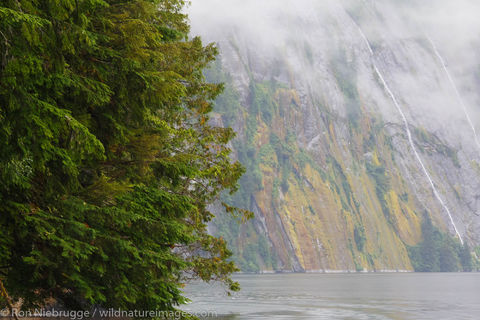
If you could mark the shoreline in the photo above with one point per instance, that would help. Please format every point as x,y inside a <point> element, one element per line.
<point>267,272</point>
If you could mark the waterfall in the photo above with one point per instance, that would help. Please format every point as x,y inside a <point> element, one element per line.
<point>457,93</point>
<point>407,129</point>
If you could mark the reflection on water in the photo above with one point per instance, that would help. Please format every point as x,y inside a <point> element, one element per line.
<point>395,296</point>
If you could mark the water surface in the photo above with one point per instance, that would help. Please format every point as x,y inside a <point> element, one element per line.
<point>343,296</point>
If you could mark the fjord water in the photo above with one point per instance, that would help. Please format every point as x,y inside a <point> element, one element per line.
<point>342,296</point>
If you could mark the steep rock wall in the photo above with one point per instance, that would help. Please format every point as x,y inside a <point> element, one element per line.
<point>332,179</point>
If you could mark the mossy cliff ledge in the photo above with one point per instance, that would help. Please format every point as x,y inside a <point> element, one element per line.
<point>332,178</point>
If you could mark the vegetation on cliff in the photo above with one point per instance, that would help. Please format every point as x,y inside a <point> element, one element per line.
<point>439,252</point>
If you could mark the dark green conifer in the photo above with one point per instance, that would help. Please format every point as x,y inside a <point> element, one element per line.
<point>108,162</point>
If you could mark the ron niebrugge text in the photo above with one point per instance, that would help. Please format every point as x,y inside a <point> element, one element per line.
<point>102,313</point>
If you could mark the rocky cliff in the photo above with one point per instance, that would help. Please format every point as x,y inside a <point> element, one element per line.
<point>351,129</point>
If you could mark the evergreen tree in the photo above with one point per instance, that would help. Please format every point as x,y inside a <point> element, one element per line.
<point>466,258</point>
<point>448,260</point>
<point>108,162</point>
<point>439,252</point>
<point>428,248</point>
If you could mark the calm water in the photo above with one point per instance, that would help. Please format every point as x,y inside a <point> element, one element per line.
<point>343,296</point>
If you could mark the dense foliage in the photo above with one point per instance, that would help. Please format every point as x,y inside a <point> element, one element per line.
<point>108,162</point>
<point>439,252</point>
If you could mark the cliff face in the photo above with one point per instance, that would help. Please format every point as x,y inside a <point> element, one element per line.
<point>321,96</point>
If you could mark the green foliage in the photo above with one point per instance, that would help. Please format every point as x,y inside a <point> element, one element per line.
<point>247,154</point>
<point>339,181</point>
<point>359,236</point>
<point>358,266</point>
<point>382,185</point>
<point>249,263</point>
<point>261,101</point>
<point>108,163</point>
<point>439,252</point>
<point>285,151</point>
<point>228,102</point>
<point>477,250</point>
<point>267,155</point>
<point>466,259</point>
<point>404,197</point>
<point>251,181</point>
<point>256,252</point>
<point>261,104</point>
<point>476,259</point>
<point>339,174</point>
<point>251,251</point>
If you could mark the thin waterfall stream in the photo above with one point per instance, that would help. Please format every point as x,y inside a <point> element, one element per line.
<point>457,93</point>
<point>407,129</point>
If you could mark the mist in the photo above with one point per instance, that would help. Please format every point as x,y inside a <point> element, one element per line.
<point>282,28</point>
<point>453,22</point>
